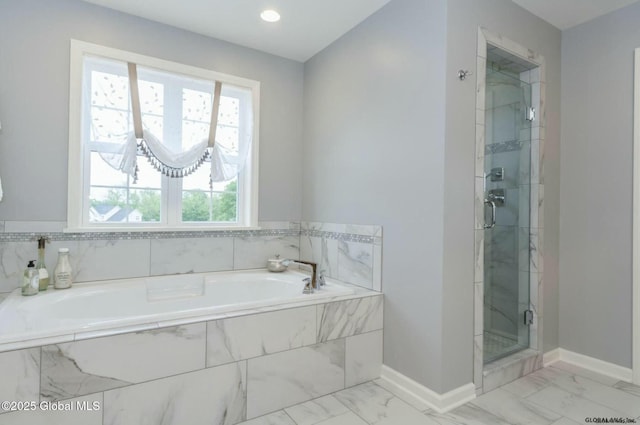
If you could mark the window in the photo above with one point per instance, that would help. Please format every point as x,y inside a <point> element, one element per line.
<point>176,103</point>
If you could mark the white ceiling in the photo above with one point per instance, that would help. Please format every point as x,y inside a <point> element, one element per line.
<point>306,27</point>
<point>565,14</point>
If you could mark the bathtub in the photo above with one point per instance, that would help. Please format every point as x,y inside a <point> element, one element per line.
<point>94,309</point>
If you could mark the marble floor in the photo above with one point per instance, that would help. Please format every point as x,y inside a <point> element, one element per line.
<point>561,394</point>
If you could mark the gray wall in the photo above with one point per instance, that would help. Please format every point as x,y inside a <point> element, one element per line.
<point>506,18</point>
<point>34,105</point>
<point>374,133</point>
<point>379,149</point>
<point>596,213</point>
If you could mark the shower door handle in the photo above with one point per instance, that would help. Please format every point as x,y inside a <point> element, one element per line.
<point>492,204</point>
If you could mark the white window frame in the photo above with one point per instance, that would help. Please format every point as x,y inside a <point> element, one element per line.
<point>78,179</point>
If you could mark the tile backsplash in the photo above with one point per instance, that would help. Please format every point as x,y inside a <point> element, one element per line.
<point>351,253</point>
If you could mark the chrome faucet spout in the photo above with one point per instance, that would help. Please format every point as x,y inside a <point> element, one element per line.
<point>314,269</point>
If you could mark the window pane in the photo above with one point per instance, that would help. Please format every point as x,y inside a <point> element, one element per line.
<point>196,105</point>
<point>151,97</point>
<point>146,204</point>
<point>148,177</point>
<point>109,90</point>
<point>229,111</point>
<point>109,124</point>
<point>203,204</point>
<point>103,175</point>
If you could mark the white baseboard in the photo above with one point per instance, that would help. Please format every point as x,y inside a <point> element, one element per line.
<point>590,363</point>
<point>551,357</point>
<point>406,387</point>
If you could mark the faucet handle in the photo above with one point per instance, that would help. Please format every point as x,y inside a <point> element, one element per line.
<point>308,288</point>
<point>321,281</point>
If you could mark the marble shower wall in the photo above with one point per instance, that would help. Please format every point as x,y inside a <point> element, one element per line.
<point>522,236</point>
<point>349,253</point>
<point>217,372</point>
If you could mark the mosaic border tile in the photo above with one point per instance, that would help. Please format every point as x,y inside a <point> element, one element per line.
<point>60,236</point>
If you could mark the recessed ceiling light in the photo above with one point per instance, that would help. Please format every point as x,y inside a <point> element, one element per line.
<point>270,15</point>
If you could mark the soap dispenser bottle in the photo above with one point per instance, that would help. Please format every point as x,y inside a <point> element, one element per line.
<point>62,273</point>
<point>41,266</point>
<point>30,279</point>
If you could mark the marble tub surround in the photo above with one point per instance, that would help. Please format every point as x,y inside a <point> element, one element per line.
<point>84,367</point>
<point>223,371</point>
<point>350,253</point>
<point>121,255</point>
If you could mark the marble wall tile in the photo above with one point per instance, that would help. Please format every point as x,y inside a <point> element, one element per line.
<point>377,265</point>
<point>20,375</point>
<point>481,80</point>
<point>363,229</point>
<point>355,263</point>
<point>93,365</point>
<point>478,357</point>
<point>255,335</point>
<point>480,117</point>
<point>14,257</point>
<point>205,397</point>
<point>317,410</point>
<point>509,213</point>
<point>70,417</point>
<point>478,308</point>
<point>478,274</point>
<point>480,147</point>
<point>504,246</point>
<point>2,226</point>
<point>479,204</point>
<point>529,239</point>
<point>353,229</point>
<point>191,255</point>
<point>252,252</point>
<point>363,359</point>
<point>524,158</point>
<point>298,375</point>
<point>510,161</point>
<point>322,251</point>
<point>346,318</point>
<point>505,119</point>
<point>111,259</point>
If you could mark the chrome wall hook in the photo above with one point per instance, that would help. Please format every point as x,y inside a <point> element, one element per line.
<point>463,74</point>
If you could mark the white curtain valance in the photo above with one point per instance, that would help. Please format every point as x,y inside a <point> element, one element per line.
<point>225,163</point>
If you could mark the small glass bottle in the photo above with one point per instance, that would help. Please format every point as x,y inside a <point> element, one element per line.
<point>41,266</point>
<point>62,273</point>
<point>30,279</point>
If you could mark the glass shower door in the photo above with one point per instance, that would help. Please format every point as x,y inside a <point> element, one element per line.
<point>507,201</point>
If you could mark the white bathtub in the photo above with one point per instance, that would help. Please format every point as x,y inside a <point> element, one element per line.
<point>102,308</point>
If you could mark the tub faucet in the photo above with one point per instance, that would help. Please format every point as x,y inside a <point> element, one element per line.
<point>314,269</point>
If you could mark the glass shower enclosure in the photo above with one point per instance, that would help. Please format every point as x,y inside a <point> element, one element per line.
<point>507,170</point>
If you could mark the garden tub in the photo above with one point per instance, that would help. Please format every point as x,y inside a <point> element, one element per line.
<point>108,307</point>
